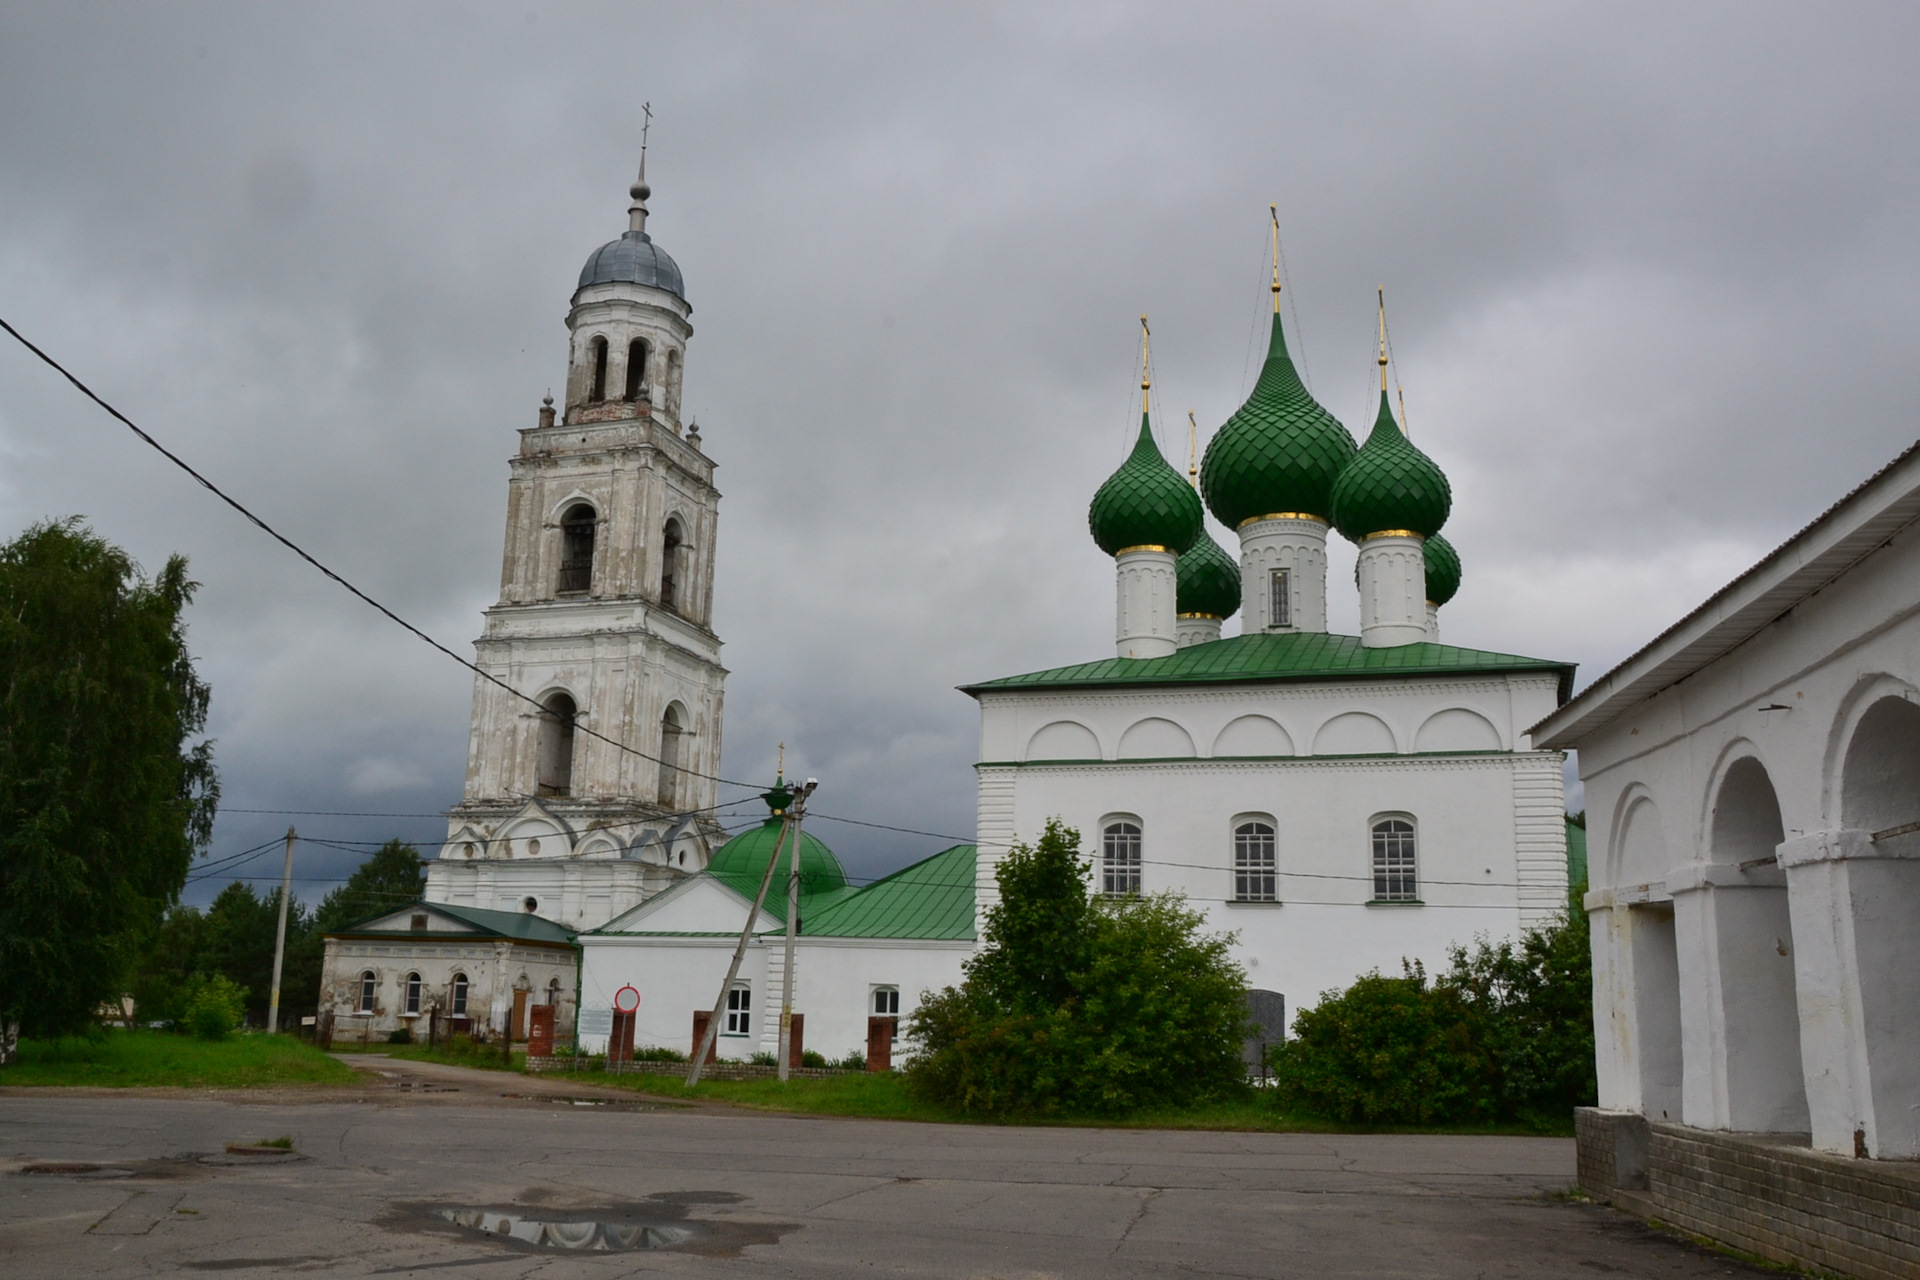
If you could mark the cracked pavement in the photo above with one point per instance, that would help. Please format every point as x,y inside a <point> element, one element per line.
<point>767,1194</point>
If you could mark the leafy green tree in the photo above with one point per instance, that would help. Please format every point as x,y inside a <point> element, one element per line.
<point>1505,1035</point>
<point>104,792</point>
<point>173,960</point>
<point>1082,1004</point>
<point>393,876</point>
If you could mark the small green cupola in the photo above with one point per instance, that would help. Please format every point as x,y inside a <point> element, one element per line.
<point>1280,453</point>
<point>1145,503</point>
<point>1443,570</point>
<point>1390,486</point>
<point>1207,581</point>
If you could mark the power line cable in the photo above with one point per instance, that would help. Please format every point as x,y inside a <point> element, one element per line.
<point>295,547</point>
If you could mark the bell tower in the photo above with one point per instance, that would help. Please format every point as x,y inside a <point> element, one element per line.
<point>604,619</point>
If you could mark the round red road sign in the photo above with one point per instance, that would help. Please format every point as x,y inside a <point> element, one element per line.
<point>626,999</point>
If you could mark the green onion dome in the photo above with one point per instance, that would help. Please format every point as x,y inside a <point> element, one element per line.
<point>1279,452</point>
<point>1207,581</point>
<point>1443,570</point>
<point>745,857</point>
<point>1145,503</point>
<point>1390,485</point>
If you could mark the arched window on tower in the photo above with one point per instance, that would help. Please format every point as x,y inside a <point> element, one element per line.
<point>556,746</point>
<point>599,356</point>
<point>672,730</point>
<point>636,368</point>
<point>576,548</point>
<point>670,541</point>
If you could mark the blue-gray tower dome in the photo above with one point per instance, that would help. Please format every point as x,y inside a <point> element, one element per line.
<point>633,259</point>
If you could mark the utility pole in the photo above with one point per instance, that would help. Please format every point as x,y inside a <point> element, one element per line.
<point>781,800</point>
<point>280,942</point>
<point>798,812</point>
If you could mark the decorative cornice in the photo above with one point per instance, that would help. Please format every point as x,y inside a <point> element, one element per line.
<point>1451,760</point>
<point>1145,546</point>
<point>1213,617</point>
<point>1281,515</point>
<point>1394,533</point>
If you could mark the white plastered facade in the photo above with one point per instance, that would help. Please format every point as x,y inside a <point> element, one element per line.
<point>1320,762</point>
<point>1753,894</point>
<point>622,635</point>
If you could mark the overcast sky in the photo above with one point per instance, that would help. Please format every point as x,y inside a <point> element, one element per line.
<point>1651,271</point>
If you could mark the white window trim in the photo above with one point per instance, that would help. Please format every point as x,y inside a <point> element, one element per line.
<point>1375,898</point>
<point>1233,835</point>
<point>745,1011</point>
<point>1100,862</point>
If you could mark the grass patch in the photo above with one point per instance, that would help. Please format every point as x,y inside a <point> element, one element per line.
<point>146,1059</point>
<point>884,1096</point>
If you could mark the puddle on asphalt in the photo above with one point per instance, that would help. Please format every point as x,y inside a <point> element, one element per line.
<point>657,1222</point>
<point>74,1169</point>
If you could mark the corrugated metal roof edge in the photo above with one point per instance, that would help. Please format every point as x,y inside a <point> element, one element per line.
<point>1573,708</point>
<point>1565,671</point>
<point>465,915</point>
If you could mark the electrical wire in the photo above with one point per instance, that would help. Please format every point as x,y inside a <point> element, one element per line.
<point>366,599</point>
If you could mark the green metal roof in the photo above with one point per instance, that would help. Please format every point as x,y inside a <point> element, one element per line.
<point>932,899</point>
<point>521,925</point>
<point>1390,484</point>
<point>744,858</point>
<point>1576,854</point>
<point>1207,580</point>
<point>1443,569</point>
<point>1280,451</point>
<point>1294,656</point>
<point>1144,503</point>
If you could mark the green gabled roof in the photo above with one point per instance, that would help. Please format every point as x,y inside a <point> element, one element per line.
<point>503,924</point>
<point>932,899</point>
<point>1293,656</point>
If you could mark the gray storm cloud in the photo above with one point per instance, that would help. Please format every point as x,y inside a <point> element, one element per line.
<point>1650,269</point>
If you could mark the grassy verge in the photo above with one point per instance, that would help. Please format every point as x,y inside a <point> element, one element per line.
<point>129,1059</point>
<point>884,1096</point>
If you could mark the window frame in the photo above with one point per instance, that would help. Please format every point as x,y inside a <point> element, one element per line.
<point>369,992</point>
<point>411,988</point>
<point>1280,599</point>
<point>739,1010</point>
<point>457,997</point>
<point>1248,873</point>
<point>1120,873</point>
<point>1393,857</point>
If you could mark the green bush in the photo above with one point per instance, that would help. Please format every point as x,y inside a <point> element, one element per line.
<point>402,1036</point>
<point>762,1059</point>
<point>658,1053</point>
<point>808,1058</point>
<point>213,1007</point>
<point>1080,1004</point>
<point>1504,1036</point>
<point>856,1060</point>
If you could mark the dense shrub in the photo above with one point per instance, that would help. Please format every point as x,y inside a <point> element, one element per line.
<point>213,1007</point>
<point>657,1053</point>
<point>1077,1003</point>
<point>1504,1036</point>
<point>856,1060</point>
<point>403,1035</point>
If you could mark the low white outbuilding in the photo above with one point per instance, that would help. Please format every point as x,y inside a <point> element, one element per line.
<point>1753,798</point>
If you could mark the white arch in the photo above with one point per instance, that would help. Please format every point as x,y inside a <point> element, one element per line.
<point>1458,729</point>
<point>1355,733</point>
<point>1253,735</point>
<point>1637,837</point>
<point>1868,691</point>
<point>1064,740</point>
<point>1155,737</point>
<point>575,498</point>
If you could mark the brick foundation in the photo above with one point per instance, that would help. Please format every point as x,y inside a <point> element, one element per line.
<point>1766,1194</point>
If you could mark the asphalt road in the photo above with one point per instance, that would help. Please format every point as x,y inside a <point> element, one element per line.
<point>421,1171</point>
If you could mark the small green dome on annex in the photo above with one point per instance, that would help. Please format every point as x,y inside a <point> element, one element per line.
<point>1146,503</point>
<point>1207,581</point>
<point>1390,486</point>
<point>1280,452</point>
<point>744,858</point>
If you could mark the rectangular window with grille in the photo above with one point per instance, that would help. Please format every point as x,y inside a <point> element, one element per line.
<point>1282,609</point>
<point>1120,859</point>
<point>1393,861</point>
<point>739,1010</point>
<point>1253,862</point>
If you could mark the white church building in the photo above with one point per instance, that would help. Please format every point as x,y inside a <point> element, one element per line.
<point>1340,802</point>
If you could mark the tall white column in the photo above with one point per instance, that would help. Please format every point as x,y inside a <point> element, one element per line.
<point>1145,625</point>
<point>1393,590</point>
<point>1292,544</point>
<point>1196,628</point>
<point>1433,622</point>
